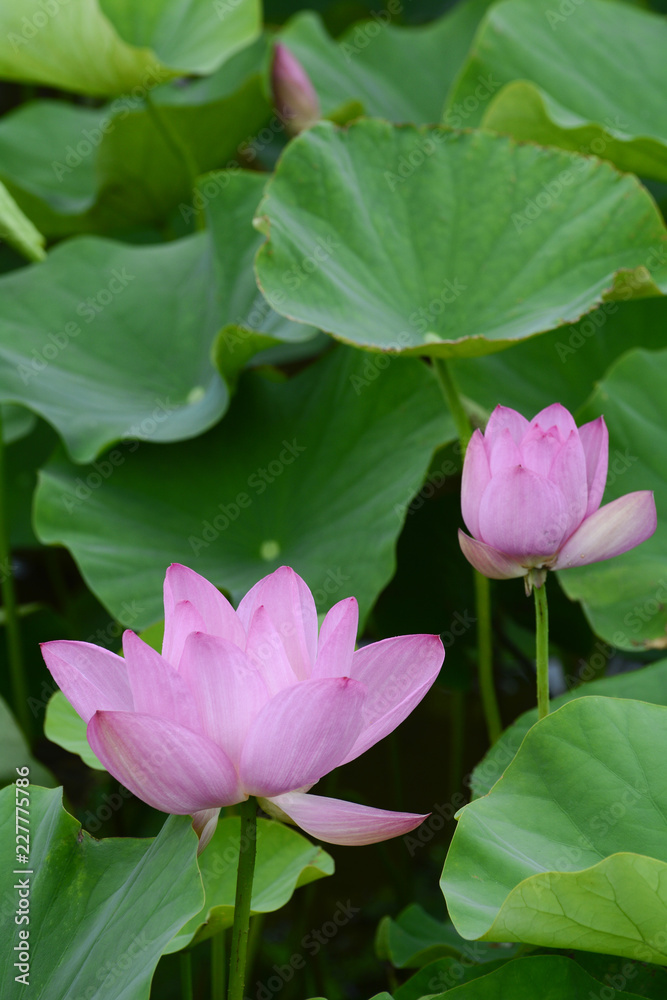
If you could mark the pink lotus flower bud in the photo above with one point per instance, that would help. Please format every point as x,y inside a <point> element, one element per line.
<point>531,494</point>
<point>294,96</point>
<point>247,702</point>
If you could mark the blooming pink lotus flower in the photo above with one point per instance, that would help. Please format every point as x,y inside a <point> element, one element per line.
<point>247,702</point>
<point>294,96</point>
<point>531,494</point>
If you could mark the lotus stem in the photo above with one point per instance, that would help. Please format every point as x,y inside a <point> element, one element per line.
<point>542,650</point>
<point>244,876</point>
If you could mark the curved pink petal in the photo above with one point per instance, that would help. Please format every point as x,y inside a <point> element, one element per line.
<point>476,477</point>
<point>157,687</point>
<point>179,624</point>
<point>91,678</point>
<point>505,453</point>
<point>217,614</point>
<point>292,610</point>
<point>204,824</point>
<point>539,449</point>
<point>265,650</point>
<point>301,734</point>
<point>228,690</point>
<point>611,530</point>
<point>489,561</point>
<point>167,766</point>
<point>501,418</point>
<point>595,442</point>
<point>337,822</point>
<point>338,636</point>
<point>568,473</point>
<point>523,515</point>
<point>397,673</point>
<point>555,415</point>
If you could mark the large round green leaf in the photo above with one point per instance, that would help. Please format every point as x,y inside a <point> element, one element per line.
<point>306,472</point>
<point>569,849</point>
<point>76,169</point>
<point>547,977</point>
<point>101,912</point>
<point>589,76</point>
<point>428,241</point>
<point>648,684</point>
<point>402,74</point>
<point>109,341</point>
<point>110,46</point>
<point>626,598</point>
<point>285,861</point>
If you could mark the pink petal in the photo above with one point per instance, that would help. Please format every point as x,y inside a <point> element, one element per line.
<point>397,674</point>
<point>595,441</point>
<point>505,453</point>
<point>555,415</point>
<point>167,766</point>
<point>157,687</point>
<point>228,690</point>
<point>475,479</point>
<point>501,418</point>
<point>523,515</point>
<point>204,824</point>
<point>265,650</point>
<point>611,530</point>
<point>568,472</point>
<point>292,610</point>
<point>180,622</point>
<point>338,636</point>
<point>337,822</point>
<point>217,614</point>
<point>91,678</point>
<point>539,448</point>
<point>489,561</point>
<point>301,734</point>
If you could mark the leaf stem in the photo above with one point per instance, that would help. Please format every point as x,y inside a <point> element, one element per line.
<point>12,629</point>
<point>244,876</point>
<point>218,965</point>
<point>453,400</point>
<point>186,975</point>
<point>482,585</point>
<point>542,650</point>
<point>485,657</point>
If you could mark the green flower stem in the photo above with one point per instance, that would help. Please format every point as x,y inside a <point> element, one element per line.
<point>12,630</point>
<point>542,648</point>
<point>240,931</point>
<point>453,400</point>
<point>219,966</point>
<point>186,975</point>
<point>482,585</point>
<point>485,656</point>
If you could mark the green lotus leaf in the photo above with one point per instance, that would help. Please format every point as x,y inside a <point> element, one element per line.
<point>587,76</point>
<point>306,472</point>
<point>569,849</point>
<point>100,912</point>
<point>107,47</point>
<point>393,238</point>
